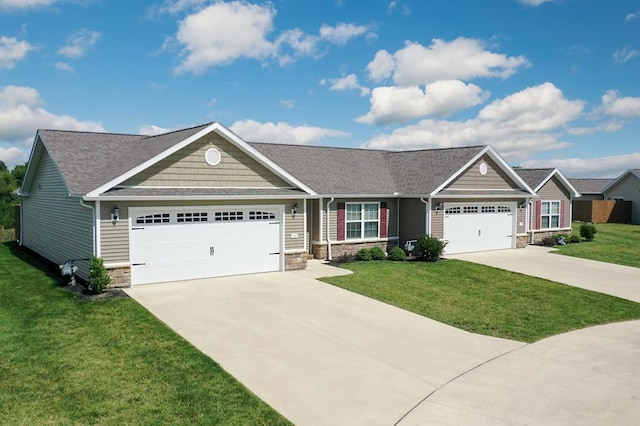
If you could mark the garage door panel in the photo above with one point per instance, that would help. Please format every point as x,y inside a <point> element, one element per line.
<point>478,230</point>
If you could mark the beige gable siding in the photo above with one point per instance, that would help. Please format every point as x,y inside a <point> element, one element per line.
<point>495,178</point>
<point>437,221</point>
<point>392,216</point>
<point>629,189</point>
<point>55,225</point>
<point>115,235</point>
<point>521,220</point>
<point>412,219</point>
<point>188,168</point>
<point>553,190</point>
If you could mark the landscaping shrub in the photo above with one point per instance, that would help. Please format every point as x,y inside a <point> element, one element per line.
<point>344,258</point>
<point>363,255</point>
<point>430,248</point>
<point>548,241</point>
<point>98,277</point>
<point>377,253</point>
<point>397,254</point>
<point>588,231</point>
<point>574,239</point>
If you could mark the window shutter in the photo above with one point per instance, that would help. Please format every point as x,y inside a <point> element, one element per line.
<point>341,221</point>
<point>538,213</point>
<point>562,207</point>
<point>383,220</point>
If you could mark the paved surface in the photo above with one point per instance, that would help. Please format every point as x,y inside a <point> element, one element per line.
<point>318,354</point>
<point>616,280</point>
<point>586,377</point>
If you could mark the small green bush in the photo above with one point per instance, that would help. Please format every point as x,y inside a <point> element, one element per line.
<point>363,255</point>
<point>588,231</point>
<point>575,239</point>
<point>548,241</point>
<point>397,254</point>
<point>343,258</point>
<point>377,253</point>
<point>430,248</point>
<point>98,277</point>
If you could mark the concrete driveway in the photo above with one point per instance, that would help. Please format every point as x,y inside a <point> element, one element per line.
<point>616,280</point>
<point>318,354</point>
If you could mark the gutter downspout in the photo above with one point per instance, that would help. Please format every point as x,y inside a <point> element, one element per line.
<point>93,211</point>
<point>329,257</point>
<point>533,240</point>
<point>427,217</point>
<point>21,242</point>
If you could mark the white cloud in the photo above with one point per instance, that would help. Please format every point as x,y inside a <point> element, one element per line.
<point>24,4</point>
<point>460,59</point>
<point>534,2</point>
<point>341,33</point>
<point>21,114</point>
<point>517,126</point>
<point>152,130</point>
<point>287,103</point>
<point>623,55</point>
<point>282,132</point>
<point>402,104</point>
<point>618,107</point>
<point>632,16</point>
<point>62,66</point>
<point>348,82</point>
<point>611,166</point>
<point>11,51</point>
<point>79,43</point>
<point>608,127</point>
<point>12,156</point>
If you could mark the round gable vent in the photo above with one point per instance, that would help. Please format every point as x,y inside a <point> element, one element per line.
<point>212,157</point>
<point>483,168</point>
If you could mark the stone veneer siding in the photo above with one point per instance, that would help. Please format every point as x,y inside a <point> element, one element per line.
<point>522,240</point>
<point>539,235</point>
<point>295,261</point>
<point>349,249</point>
<point>120,277</point>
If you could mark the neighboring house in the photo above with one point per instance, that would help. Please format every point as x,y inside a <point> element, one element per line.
<point>551,212</point>
<point>626,187</point>
<point>590,189</point>
<point>202,202</point>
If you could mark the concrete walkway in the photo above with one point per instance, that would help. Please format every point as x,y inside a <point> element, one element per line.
<point>586,377</point>
<point>616,280</point>
<point>318,354</point>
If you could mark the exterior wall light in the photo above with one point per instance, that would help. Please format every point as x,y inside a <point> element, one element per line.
<point>115,214</point>
<point>294,210</point>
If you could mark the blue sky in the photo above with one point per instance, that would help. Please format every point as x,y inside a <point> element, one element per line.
<point>548,83</point>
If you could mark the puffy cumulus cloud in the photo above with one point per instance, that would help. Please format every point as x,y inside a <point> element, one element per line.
<point>22,113</point>
<point>12,156</point>
<point>611,166</point>
<point>152,130</point>
<point>341,33</point>
<point>347,82</point>
<point>460,59</point>
<point>624,55</point>
<point>402,104</point>
<point>517,126</point>
<point>79,43</point>
<point>282,132</point>
<point>11,51</point>
<point>24,4</point>
<point>534,2</point>
<point>615,106</point>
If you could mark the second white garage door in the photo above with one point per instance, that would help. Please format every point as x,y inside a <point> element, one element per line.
<point>172,244</point>
<point>478,226</point>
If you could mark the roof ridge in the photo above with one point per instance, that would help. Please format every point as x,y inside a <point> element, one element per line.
<point>319,146</point>
<point>437,149</point>
<point>178,130</point>
<point>91,133</point>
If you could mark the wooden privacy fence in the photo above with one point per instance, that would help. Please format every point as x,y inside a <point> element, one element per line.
<point>602,211</point>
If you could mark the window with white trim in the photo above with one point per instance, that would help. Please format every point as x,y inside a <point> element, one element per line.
<point>470,209</point>
<point>152,219</point>
<point>261,215</point>
<point>550,214</point>
<point>362,220</point>
<point>453,210</point>
<point>504,209</point>
<point>228,216</point>
<point>188,217</point>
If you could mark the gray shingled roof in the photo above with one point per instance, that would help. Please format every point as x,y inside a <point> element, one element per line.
<point>533,177</point>
<point>589,186</point>
<point>204,192</point>
<point>89,160</point>
<point>360,171</point>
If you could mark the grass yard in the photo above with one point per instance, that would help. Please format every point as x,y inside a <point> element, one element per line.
<point>111,362</point>
<point>614,243</point>
<point>485,300</point>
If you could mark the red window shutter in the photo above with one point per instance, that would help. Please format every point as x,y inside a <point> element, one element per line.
<point>383,220</point>
<point>538,213</point>
<point>562,207</point>
<point>341,221</point>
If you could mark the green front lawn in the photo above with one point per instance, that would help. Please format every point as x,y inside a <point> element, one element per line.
<point>111,362</point>
<point>614,243</point>
<point>485,300</point>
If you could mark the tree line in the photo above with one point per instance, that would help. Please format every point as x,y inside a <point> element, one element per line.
<point>10,181</point>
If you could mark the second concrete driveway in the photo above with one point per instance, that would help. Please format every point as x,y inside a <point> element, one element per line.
<point>318,354</point>
<point>616,280</point>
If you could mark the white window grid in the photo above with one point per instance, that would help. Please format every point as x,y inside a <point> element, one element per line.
<point>362,220</point>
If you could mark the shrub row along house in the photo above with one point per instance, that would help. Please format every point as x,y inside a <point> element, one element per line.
<point>202,202</point>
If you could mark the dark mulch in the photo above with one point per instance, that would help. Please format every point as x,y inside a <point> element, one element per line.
<point>84,294</point>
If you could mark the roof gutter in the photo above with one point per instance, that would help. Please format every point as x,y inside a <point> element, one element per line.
<point>329,257</point>
<point>199,197</point>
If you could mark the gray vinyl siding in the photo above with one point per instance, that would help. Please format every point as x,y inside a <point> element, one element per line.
<point>188,168</point>
<point>55,225</point>
<point>392,215</point>
<point>412,219</point>
<point>629,189</point>
<point>521,220</point>
<point>437,219</point>
<point>115,235</point>
<point>553,190</point>
<point>495,178</point>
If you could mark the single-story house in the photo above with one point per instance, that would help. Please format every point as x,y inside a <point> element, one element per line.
<point>551,212</point>
<point>590,189</point>
<point>626,187</point>
<point>201,202</point>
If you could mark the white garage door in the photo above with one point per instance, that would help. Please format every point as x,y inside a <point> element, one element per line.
<point>478,226</point>
<point>171,244</point>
